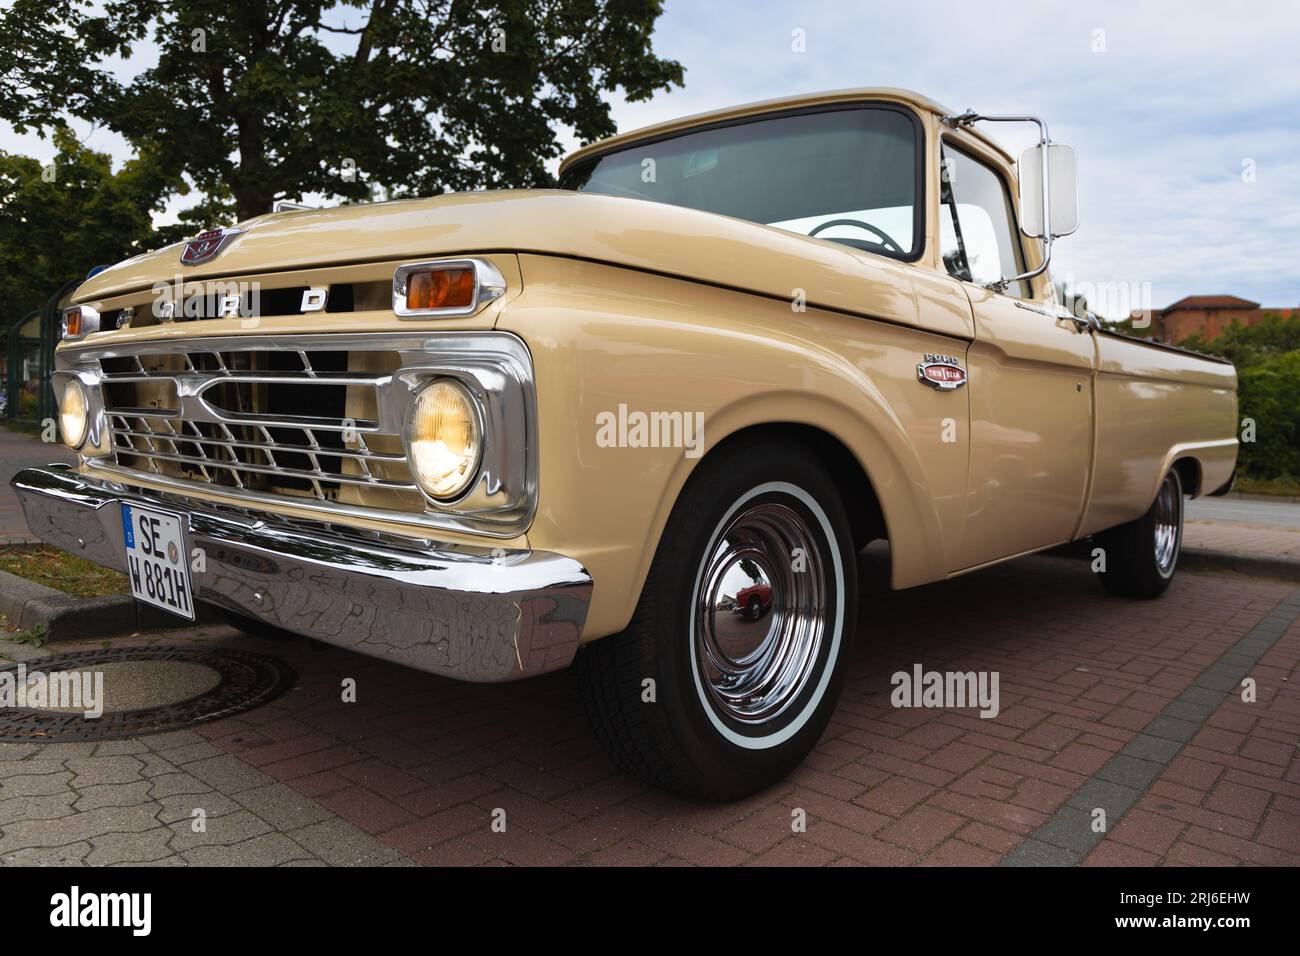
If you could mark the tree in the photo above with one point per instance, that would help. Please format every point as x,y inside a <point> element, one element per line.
<point>1125,326</point>
<point>261,100</point>
<point>1267,357</point>
<point>1272,335</point>
<point>1268,391</point>
<point>59,221</point>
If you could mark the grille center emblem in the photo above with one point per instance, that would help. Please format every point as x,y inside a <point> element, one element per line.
<point>206,245</point>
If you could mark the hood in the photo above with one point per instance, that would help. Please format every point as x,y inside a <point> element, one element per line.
<point>635,233</point>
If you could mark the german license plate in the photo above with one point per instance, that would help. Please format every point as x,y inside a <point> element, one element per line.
<point>156,559</point>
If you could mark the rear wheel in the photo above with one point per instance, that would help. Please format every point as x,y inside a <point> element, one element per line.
<point>710,703</point>
<point>1142,556</point>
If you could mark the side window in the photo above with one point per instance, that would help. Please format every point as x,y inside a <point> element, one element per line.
<point>978,235</point>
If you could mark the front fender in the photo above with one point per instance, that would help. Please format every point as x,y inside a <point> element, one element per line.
<point>602,338</point>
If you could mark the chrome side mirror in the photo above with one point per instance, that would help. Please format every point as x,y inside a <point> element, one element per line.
<point>1057,213</point>
<point>1049,196</point>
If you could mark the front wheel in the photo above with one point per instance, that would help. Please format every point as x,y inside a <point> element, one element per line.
<point>1140,558</point>
<point>717,705</point>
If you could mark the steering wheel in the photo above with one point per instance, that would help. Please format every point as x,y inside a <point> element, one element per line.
<point>887,241</point>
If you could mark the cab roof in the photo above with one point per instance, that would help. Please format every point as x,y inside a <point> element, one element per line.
<point>916,100</point>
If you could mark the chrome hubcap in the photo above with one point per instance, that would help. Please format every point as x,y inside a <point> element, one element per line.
<point>761,618</point>
<point>1168,513</point>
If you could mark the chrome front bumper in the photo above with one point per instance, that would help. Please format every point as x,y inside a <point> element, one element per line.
<point>476,614</point>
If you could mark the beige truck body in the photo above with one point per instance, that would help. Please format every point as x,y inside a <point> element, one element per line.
<point>1062,430</point>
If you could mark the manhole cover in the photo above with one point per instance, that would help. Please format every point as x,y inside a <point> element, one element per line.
<point>140,690</point>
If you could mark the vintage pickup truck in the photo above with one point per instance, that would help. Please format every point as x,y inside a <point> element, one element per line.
<point>492,435</point>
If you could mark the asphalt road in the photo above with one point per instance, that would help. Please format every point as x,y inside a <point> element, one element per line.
<point>1245,511</point>
<point>19,451</point>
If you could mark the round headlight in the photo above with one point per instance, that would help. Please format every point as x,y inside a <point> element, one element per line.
<point>443,438</point>
<point>72,414</point>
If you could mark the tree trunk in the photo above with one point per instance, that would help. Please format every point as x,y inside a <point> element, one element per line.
<point>252,202</point>
<point>380,10</point>
<point>252,186</point>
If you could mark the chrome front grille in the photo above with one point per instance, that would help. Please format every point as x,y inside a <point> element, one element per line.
<point>308,420</point>
<point>297,422</point>
<point>219,456</point>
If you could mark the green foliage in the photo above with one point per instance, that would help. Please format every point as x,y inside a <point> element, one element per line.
<point>57,223</point>
<point>1270,395</point>
<point>33,636</point>
<point>1267,357</point>
<point>1250,344</point>
<point>254,102</point>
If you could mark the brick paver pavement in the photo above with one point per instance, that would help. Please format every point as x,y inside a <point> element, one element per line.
<point>419,767</point>
<point>1250,539</point>
<point>1233,794</point>
<point>416,768</point>
<point>1253,527</point>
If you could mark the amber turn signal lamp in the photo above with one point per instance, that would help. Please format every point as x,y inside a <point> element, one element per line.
<point>440,289</point>
<point>72,324</point>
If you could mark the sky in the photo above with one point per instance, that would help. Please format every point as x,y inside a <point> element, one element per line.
<point>1185,116</point>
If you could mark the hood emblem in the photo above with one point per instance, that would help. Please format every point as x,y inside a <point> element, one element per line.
<point>206,245</point>
<point>941,371</point>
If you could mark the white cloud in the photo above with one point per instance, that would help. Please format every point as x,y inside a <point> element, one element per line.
<point>1162,119</point>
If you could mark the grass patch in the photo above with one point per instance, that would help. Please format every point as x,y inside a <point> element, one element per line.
<point>1267,486</point>
<point>62,571</point>
<point>33,636</point>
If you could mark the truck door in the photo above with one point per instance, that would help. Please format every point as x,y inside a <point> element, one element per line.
<point>1030,377</point>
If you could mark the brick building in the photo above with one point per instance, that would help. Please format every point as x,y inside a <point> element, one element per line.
<point>1204,315</point>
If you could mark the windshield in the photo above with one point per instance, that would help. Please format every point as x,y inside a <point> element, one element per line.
<point>847,175</point>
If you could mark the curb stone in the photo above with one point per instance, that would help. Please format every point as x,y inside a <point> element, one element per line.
<point>1251,496</point>
<point>1199,559</point>
<point>27,604</point>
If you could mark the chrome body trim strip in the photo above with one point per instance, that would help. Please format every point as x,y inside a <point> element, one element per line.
<point>1053,311</point>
